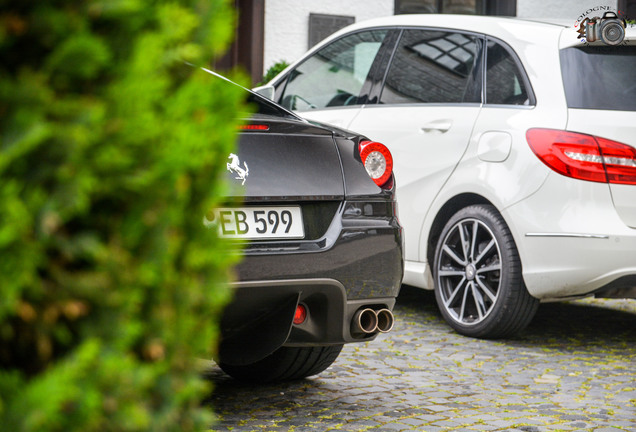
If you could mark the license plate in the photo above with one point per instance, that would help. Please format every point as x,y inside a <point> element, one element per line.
<point>251,223</point>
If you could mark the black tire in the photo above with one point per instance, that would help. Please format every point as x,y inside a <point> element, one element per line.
<point>479,288</point>
<point>286,364</point>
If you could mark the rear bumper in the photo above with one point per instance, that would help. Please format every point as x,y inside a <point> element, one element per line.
<point>357,264</point>
<point>578,245</point>
<point>565,266</point>
<point>259,319</point>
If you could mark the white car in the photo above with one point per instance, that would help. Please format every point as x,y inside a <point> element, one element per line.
<point>514,153</point>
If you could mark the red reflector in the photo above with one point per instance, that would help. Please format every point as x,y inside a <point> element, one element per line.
<point>584,157</point>
<point>301,314</point>
<point>377,160</point>
<point>260,127</point>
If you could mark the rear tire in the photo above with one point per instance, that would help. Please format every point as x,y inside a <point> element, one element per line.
<point>286,364</point>
<point>478,284</point>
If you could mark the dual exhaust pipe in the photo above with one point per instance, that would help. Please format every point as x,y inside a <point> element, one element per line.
<point>367,321</point>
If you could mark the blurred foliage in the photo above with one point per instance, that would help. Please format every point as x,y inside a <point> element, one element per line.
<point>111,149</point>
<point>274,70</point>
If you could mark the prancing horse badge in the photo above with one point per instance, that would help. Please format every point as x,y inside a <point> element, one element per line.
<point>235,167</point>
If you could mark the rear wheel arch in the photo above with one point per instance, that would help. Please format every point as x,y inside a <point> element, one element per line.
<point>451,207</point>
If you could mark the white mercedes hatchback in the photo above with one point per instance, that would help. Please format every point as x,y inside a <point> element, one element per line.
<point>514,154</point>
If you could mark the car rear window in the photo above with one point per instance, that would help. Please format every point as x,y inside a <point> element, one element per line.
<point>600,77</point>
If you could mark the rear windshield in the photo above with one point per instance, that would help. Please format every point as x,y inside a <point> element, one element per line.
<point>600,77</point>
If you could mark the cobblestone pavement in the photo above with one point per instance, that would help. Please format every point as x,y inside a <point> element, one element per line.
<point>573,369</point>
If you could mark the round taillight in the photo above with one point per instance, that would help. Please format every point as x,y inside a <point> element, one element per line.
<point>301,314</point>
<point>377,160</point>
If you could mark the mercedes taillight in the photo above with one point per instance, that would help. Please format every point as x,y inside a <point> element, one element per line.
<point>584,157</point>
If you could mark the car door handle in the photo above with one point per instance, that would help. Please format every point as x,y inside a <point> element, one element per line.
<point>438,125</point>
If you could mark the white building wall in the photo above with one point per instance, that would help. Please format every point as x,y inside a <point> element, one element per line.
<point>562,9</point>
<point>287,23</point>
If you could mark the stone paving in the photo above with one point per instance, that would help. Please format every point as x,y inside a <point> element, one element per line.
<point>572,369</point>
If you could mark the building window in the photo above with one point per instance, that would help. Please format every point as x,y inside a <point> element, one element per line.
<point>466,7</point>
<point>627,8</point>
<point>471,7</point>
<point>321,26</point>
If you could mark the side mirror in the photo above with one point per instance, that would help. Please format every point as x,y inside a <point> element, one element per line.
<point>266,90</point>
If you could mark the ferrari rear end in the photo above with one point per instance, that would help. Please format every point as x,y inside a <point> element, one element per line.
<point>322,245</point>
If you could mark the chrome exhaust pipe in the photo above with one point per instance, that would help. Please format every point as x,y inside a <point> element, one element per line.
<point>365,321</point>
<point>385,320</point>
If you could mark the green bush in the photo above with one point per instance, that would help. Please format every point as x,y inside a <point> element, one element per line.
<point>110,154</point>
<point>274,70</point>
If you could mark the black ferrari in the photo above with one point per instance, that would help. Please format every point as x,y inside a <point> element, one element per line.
<point>322,245</point>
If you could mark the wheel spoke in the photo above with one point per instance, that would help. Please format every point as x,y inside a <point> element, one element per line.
<point>485,251</point>
<point>465,242</point>
<point>479,301</point>
<point>463,308</point>
<point>474,240</point>
<point>453,255</point>
<point>487,290</point>
<point>493,267</point>
<point>446,273</point>
<point>451,298</point>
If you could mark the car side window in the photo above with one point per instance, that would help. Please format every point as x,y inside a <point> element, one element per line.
<point>335,75</point>
<point>504,80</point>
<point>433,67</point>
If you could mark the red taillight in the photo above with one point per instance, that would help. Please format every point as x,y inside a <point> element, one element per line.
<point>377,161</point>
<point>584,157</point>
<point>300,315</point>
<point>620,161</point>
<point>258,127</point>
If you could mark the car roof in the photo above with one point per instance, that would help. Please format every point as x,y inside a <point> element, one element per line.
<point>456,19</point>
<point>477,23</point>
<point>506,28</point>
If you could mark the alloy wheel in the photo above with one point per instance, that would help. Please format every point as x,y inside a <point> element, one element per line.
<point>469,268</point>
